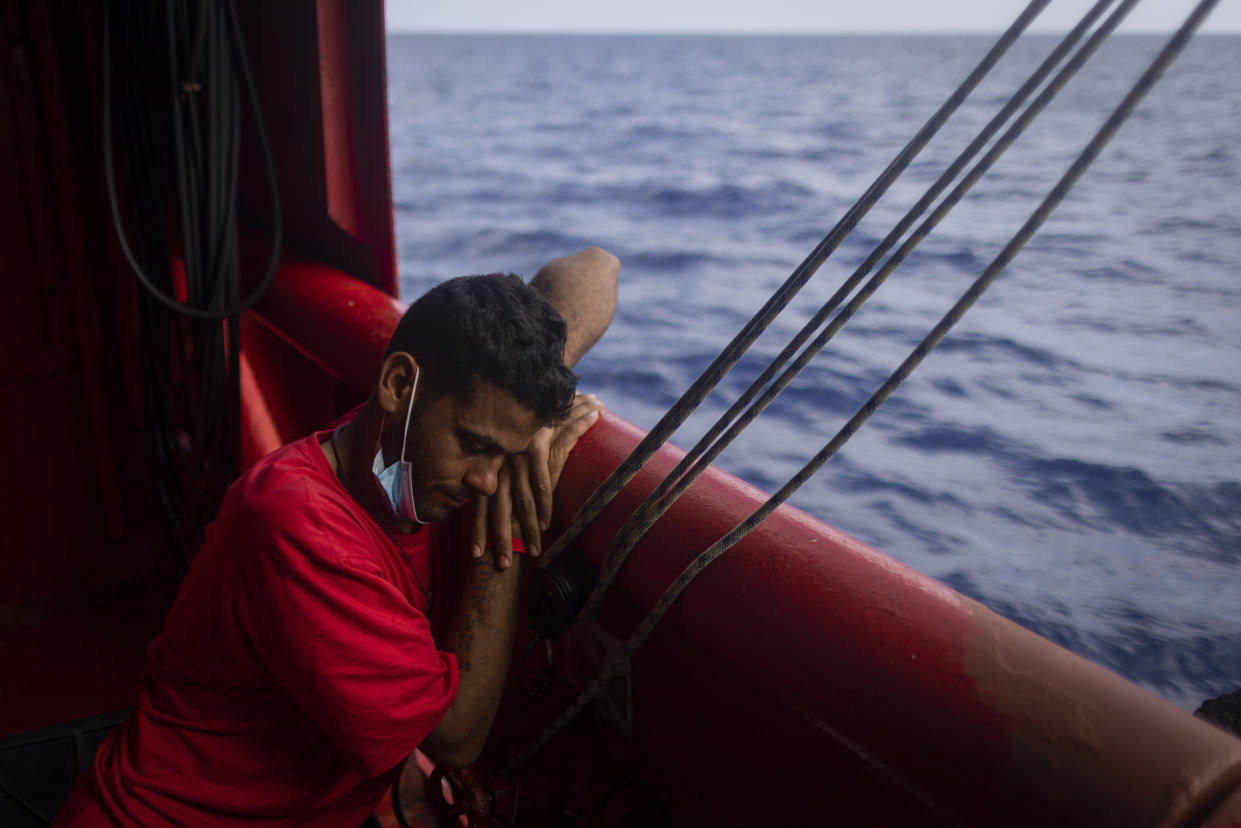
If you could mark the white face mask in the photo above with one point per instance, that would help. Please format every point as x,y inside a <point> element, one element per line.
<point>397,480</point>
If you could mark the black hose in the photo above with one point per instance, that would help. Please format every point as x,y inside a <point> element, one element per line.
<point>188,206</point>
<point>180,138</point>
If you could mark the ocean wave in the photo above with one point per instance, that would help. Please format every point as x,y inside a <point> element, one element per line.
<point>1121,272</point>
<point>932,538</point>
<point>807,406</point>
<point>860,481</point>
<point>1093,401</point>
<point>719,201</point>
<point>991,348</point>
<point>946,437</point>
<point>520,244</point>
<point>652,386</point>
<point>1193,437</point>
<point>1199,519</point>
<point>670,261</point>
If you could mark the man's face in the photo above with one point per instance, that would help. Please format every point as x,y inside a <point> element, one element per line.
<point>458,443</point>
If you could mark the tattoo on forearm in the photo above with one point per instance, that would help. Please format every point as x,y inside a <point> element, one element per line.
<point>472,618</point>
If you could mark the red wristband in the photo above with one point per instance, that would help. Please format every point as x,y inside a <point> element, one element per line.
<point>519,546</point>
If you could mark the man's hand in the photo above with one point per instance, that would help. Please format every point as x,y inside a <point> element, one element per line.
<point>522,505</point>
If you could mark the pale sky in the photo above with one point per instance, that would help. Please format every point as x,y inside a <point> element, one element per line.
<point>784,16</point>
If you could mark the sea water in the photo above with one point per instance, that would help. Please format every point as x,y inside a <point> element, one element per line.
<point>1070,456</point>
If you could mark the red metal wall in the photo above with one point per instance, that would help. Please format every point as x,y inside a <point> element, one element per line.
<point>75,506</point>
<point>320,69</point>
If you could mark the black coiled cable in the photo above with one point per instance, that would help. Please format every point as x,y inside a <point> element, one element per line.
<point>181,72</point>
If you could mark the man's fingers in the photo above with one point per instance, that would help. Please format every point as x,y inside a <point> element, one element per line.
<point>480,527</point>
<point>585,414</point>
<point>524,504</point>
<point>501,519</point>
<point>540,477</point>
<point>572,429</point>
<point>583,404</point>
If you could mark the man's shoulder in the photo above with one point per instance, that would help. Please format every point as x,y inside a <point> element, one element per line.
<point>290,493</point>
<point>287,476</point>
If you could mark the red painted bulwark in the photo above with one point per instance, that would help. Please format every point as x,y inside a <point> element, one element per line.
<point>312,349</point>
<point>805,675</point>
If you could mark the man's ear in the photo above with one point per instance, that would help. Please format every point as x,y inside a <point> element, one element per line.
<point>396,377</point>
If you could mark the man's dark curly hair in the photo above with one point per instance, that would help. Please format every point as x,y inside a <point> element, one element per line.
<point>492,327</point>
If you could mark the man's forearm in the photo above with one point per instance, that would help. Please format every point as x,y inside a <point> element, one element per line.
<point>582,286</point>
<point>481,637</point>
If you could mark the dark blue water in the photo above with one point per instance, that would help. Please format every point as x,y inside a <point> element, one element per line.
<point>1071,455</point>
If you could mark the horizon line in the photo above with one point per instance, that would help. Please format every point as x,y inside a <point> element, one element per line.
<point>778,32</point>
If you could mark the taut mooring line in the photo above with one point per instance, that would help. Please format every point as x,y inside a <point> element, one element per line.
<point>709,447</point>
<point>1057,194</point>
<point>727,358</point>
<point>980,285</point>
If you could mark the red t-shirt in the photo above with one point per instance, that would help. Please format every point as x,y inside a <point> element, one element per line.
<point>295,671</point>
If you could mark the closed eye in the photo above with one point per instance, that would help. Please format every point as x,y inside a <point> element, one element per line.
<point>477,445</point>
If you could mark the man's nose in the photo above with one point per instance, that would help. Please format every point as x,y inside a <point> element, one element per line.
<point>484,475</point>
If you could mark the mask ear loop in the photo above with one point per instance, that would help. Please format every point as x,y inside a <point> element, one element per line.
<point>413,507</point>
<point>408,411</point>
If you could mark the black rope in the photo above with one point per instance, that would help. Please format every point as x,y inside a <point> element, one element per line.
<point>727,358</point>
<point>712,443</point>
<point>1057,194</point>
<point>980,285</point>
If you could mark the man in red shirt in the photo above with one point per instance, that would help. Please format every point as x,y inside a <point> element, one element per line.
<point>297,669</point>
